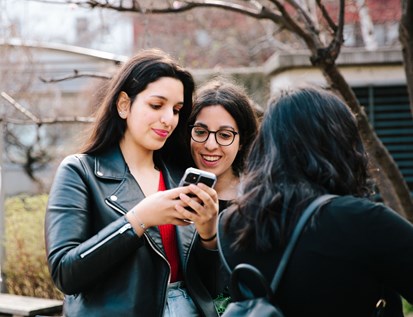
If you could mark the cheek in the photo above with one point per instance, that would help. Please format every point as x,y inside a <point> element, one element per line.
<point>194,147</point>
<point>175,121</point>
<point>233,151</point>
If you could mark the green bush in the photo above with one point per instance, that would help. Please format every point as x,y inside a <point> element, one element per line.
<point>25,268</point>
<point>407,308</point>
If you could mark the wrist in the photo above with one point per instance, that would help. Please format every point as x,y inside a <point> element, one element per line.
<point>140,223</point>
<point>208,239</point>
<point>137,223</point>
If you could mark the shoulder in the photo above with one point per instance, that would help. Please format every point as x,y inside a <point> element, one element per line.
<point>73,166</point>
<point>350,206</point>
<point>76,161</point>
<point>362,215</point>
<point>73,160</point>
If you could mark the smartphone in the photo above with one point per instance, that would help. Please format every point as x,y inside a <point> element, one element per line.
<point>195,176</point>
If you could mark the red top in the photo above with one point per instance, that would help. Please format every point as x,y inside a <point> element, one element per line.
<point>168,235</point>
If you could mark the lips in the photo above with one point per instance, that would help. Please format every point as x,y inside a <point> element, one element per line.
<point>162,133</point>
<point>210,158</point>
<point>210,161</point>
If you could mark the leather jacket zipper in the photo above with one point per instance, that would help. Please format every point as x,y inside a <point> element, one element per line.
<point>114,207</point>
<point>114,234</point>
<point>108,238</point>
<point>153,246</point>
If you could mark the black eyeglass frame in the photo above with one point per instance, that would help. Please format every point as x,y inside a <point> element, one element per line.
<point>234,134</point>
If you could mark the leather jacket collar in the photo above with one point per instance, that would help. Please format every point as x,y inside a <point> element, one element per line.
<point>112,165</point>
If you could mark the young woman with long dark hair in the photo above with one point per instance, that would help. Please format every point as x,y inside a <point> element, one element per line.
<point>354,252</point>
<point>120,241</point>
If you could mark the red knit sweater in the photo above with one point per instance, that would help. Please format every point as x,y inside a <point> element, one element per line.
<point>168,235</point>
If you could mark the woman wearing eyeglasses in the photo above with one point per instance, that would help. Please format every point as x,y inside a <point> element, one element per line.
<point>223,124</point>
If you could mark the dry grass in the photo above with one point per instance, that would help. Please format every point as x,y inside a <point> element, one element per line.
<point>25,268</point>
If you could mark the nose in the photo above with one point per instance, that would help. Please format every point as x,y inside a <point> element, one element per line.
<point>167,117</point>
<point>211,142</point>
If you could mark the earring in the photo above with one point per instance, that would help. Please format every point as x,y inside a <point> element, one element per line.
<point>122,114</point>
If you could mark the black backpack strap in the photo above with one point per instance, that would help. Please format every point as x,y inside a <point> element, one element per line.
<point>307,213</point>
<point>221,253</point>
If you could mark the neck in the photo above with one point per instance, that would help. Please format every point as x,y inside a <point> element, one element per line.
<point>136,158</point>
<point>227,186</point>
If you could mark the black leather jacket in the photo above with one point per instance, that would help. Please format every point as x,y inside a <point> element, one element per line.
<point>96,258</point>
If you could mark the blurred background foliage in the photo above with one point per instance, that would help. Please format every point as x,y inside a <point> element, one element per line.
<point>25,268</point>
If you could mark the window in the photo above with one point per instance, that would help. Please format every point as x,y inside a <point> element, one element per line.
<point>389,113</point>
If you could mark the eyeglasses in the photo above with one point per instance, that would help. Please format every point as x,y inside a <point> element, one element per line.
<point>222,136</point>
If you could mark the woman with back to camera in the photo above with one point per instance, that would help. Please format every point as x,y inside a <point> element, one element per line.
<point>118,239</point>
<point>353,252</point>
<point>222,124</point>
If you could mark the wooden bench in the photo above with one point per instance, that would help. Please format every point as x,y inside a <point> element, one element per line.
<point>18,306</point>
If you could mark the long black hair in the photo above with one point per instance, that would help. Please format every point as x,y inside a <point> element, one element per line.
<point>308,145</point>
<point>133,77</point>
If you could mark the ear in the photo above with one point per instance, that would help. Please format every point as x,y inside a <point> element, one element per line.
<point>123,104</point>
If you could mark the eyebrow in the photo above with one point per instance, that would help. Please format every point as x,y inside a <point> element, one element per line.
<point>222,127</point>
<point>166,99</point>
<point>163,98</point>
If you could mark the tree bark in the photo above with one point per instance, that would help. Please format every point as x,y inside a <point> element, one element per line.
<point>406,39</point>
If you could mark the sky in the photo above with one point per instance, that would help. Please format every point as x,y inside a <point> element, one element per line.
<point>30,20</point>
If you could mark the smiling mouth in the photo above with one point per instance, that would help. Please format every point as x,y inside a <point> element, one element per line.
<point>209,158</point>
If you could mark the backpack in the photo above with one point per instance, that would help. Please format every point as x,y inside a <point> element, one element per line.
<point>257,302</point>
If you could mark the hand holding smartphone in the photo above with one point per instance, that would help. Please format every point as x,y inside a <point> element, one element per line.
<point>195,176</point>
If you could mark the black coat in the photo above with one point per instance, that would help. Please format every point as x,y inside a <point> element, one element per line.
<point>353,253</point>
<point>95,257</point>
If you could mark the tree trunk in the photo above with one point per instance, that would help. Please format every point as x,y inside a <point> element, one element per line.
<point>406,39</point>
<point>391,184</point>
<point>366,24</point>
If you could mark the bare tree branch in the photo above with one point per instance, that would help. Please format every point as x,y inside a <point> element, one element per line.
<point>20,108</point>
<point>326,16</point>
<point>76,74</point>
<point>306,18</point>
<point>260,12</point>
<point>366,24</point>
<point>69,119</point>
<point>39,121</point>
<point>311,40</point>
<point>337,41</point>
<point>406,39</point>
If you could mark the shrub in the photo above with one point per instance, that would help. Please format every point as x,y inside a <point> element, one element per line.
<point>407,308</point>
<point>25,268</point>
